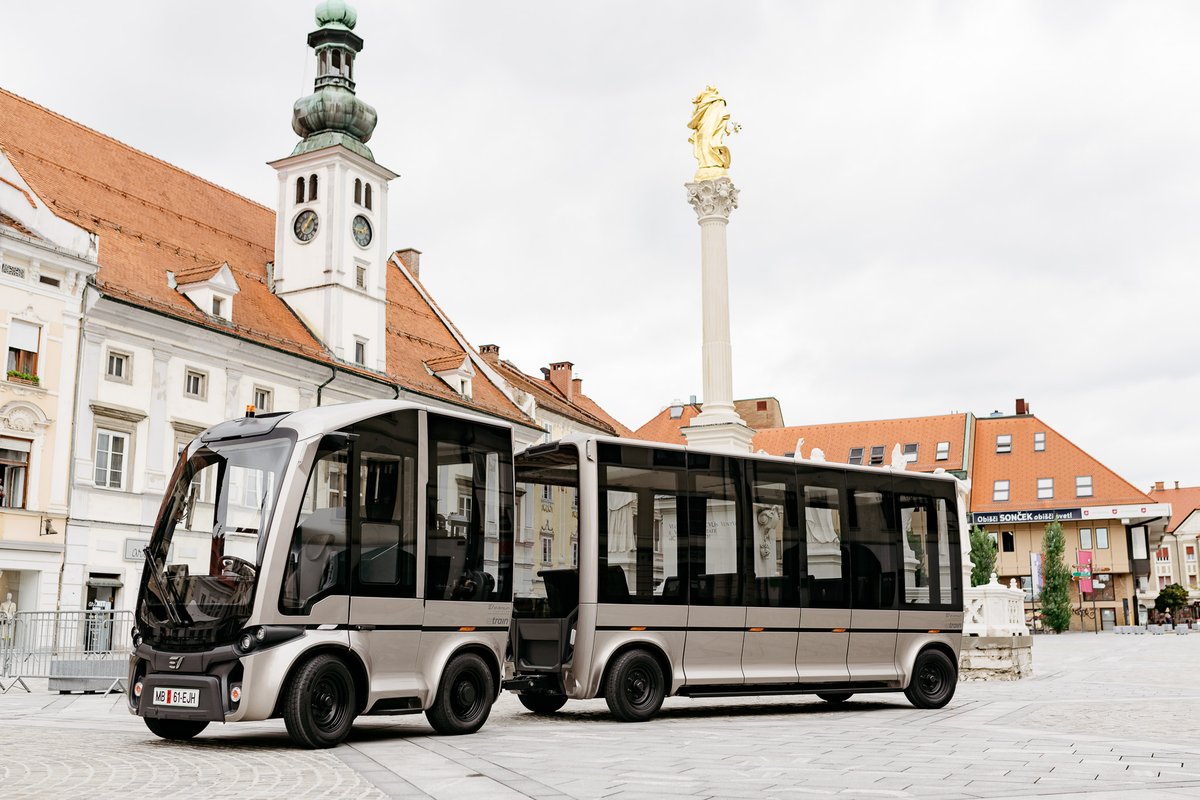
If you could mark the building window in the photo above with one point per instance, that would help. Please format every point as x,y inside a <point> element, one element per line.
<point>1083,486</point>
<point>547,493</point>
<point>360,352</point>
<point>1101,538</point>
<point>856,455</point>
<point>1162,555</point>
<point>112,450</point>
<point>195,384</point>
<point>877,455</point>
<point>1008,542</point>
<point>47,280</point>
<point>464,506</point>
<point>14,471</point>
<point>118,367</point>
<point>367,196</point>
<point>300,190</point>
<point>1000,491</point>
<point>263,399</point>
<point>23,340</point>
<point>547,549</point>
<point>357,192</point>
<point>1085,538</point>
<point>574,552</point>
<point>1039,442</point>
<point>910,453</point>
<point>1004,443</point>
<point>1190,554</point>
<point>312,188</point>
<point>360,277</point>
<point>218,306</point>
<point>1045,488</point>
<point>943,451</point>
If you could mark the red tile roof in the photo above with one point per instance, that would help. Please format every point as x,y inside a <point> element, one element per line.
<point>579,407</point>
<point>1062,460</point>
<point>1184,502</point>
<point>153,217</point>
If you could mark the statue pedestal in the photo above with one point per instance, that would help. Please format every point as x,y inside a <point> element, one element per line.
<point>996,644</point>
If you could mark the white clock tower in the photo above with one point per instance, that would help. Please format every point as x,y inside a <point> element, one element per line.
<point>330,226</point>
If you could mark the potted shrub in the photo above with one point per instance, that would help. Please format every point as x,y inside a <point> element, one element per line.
<point>23,377</point>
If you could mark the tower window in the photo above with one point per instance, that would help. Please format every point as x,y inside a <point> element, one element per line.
<point>357,192</point>
<point>360,352</point>
<point>360,277</point>
<point>299,190</point>
<point>367,196</point>
<point>312,188</point>
<point>337,60</point>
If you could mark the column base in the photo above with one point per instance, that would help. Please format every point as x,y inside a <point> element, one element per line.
<point>731,437</point>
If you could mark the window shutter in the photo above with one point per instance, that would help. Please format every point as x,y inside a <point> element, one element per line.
<point>23,336</point>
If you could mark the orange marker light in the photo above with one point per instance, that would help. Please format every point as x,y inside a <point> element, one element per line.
<point>934,631</point>
<point>638,628</point>
<point>839,630</point>
<point>756,630</point>
<point>466,629</point>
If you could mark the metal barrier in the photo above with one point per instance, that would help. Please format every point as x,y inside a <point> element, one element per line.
<point>76,650</point>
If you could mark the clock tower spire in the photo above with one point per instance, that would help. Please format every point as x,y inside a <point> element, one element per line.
<point>330,226</point>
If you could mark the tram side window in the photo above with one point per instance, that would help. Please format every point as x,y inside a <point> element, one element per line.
<point>872,536</point>
<point>316,561</point>
<point>714,523</point>
<point>642,513</point>
<point>469,539</point>
<point>948,552</point>
<point>918,524</point>
<point>824,564</point>
<point>385,536</point>
<point>773,544</point>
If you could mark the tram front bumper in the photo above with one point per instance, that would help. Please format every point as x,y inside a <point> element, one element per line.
<point>192,697</point>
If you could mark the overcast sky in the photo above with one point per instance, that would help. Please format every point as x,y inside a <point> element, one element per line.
<point>944,206</point>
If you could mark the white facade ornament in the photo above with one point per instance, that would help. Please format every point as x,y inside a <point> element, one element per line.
<point>713,198</point>
<point>898,460</point>
<point>817,454</point>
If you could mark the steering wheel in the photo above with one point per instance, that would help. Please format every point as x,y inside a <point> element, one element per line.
<point>234,567</point>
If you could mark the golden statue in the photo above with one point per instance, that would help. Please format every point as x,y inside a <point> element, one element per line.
<point>710,121</point>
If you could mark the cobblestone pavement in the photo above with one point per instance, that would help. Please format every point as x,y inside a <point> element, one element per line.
<point>1104,716</point>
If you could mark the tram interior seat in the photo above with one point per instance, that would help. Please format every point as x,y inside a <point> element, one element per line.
<point>719,587</point>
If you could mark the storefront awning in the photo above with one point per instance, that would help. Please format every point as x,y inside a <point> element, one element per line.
<point>105,583</point>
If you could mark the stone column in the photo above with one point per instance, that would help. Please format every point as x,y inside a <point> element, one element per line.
<point>718,424</point>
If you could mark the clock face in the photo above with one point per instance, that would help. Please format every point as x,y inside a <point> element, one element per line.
<point>305,225</point>
<point>361,227</point>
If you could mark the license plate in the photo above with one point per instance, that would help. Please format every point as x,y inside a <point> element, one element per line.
<point>188,698</point>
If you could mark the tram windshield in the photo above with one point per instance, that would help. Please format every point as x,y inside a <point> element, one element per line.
<point>204,558</point>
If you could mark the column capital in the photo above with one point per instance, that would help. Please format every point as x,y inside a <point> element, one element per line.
<point>712,198</point>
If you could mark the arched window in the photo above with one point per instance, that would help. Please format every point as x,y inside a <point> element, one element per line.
<point>299,190</point>
<point>312,187</point>
<point>337,60</point>
<point>367,196</point>
<point>357,192</point>
<point>349,66</point>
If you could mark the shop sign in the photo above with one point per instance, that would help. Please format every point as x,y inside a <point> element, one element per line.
<point>1040,515</point>
<point>135,549</point>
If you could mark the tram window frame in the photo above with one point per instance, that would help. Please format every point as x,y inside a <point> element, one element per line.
<point>784,515</point>
<point>336,549</point>
<point>820,489</point>
<point>942,558</point>
<point>720,477</point>
<point>878,540</point>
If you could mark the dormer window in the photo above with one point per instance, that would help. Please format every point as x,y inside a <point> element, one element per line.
<point>212,289</point>
<point>456,371</point>
<point>312,188</point>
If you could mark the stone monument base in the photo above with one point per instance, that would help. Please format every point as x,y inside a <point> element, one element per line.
<point>995,658</point>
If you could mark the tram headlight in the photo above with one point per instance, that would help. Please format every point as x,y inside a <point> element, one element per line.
<point>136,636</point>
<point>260,633</point>
<point>247,642</point>
<point>235,693</point>
<point>137,689</point>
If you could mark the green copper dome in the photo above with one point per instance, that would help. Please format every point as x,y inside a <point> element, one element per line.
<point>336,14</point>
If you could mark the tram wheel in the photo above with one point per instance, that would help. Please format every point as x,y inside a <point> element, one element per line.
<point>177,730</point>
<point>934,679</point>
<point>464,696</point>
<point>835,698</point>
<point>635,688</point>
<point>542,703</point>
<point>320,704</point>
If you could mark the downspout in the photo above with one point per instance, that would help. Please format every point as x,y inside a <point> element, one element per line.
<point>332,375</point>
<point>62,567</point>
<point>396,389</point>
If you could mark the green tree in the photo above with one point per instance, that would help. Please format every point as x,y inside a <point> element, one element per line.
<point>1056,594</point>
<point>1173,597</point>
<point>983,556</point>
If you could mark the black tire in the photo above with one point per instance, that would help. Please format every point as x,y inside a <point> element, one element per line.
<point>542,703</point>
<point>320,705</point>
<point>635,688</point>
<point>934,679</point>
<point>836,698</point>
<point>464,696</point>
<point>177,730</point>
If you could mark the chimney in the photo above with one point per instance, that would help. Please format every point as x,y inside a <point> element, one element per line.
<point>560,375</point>
<point>576,387</point>
<point>1176,484</point>
<point>1022,407</point>
<point>412,260</point>
<point>1158,486</point>
<point>490,353</point>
